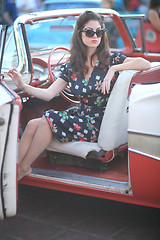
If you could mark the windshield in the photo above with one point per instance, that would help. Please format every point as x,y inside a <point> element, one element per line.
<point>45,35</point>
<point>50,34</point>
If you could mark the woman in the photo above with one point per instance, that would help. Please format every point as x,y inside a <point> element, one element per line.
<point>108,4</point>
<point>152,27</point>
<point>88,73</point>
<point>154,14</point>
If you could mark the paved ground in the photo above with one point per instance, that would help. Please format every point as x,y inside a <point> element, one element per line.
<point>46,215</point>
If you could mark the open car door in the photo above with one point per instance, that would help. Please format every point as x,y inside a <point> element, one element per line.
<point>9,121</point>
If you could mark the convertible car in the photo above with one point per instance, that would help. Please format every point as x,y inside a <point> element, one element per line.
<point>124,165</point>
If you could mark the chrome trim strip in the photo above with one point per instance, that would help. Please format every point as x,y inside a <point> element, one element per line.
<point>80,180</point>
<point>143,133</point>
<point>145,143</point>
<point>144,154</point>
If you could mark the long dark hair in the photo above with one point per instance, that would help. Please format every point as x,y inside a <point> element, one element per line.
<point>79,49</point>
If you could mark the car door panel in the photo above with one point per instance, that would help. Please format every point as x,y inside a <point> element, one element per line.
<point>9,122</point>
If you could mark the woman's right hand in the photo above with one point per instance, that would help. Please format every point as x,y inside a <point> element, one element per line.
<point>16,77</point>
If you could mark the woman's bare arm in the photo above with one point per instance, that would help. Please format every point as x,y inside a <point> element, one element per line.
<point>154,19</point>
<point>41,93</point>
<point>137,63</point>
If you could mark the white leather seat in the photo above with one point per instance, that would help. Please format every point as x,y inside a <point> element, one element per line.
<point>113,131</point>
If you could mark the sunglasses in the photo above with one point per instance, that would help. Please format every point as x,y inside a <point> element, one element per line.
<point>90,33</point>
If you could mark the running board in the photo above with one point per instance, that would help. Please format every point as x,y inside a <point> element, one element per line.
<point>80,180</point>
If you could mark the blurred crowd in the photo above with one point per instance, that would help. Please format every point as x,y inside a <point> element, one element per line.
<point>125,6</point>
<point>150,8</point>
<point>11,9</point>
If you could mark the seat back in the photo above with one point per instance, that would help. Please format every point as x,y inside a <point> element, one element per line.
<point>113,131</point>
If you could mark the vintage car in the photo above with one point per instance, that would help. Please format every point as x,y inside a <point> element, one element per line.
<point>124,164</point>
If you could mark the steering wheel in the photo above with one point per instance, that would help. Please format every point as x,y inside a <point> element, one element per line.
<point>66,93</point>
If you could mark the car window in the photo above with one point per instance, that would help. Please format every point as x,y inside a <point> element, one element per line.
<point>3,37</point>
<point>133,26</point>
<point>115,40</point>
<point>10,58</point>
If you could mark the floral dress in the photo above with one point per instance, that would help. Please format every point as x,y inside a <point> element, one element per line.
<point>85,124</point>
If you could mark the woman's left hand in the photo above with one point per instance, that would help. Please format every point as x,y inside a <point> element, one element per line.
<point>107,80</point>
<point>16,77</point>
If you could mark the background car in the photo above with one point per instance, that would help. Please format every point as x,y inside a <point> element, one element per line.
<point>69,4</point>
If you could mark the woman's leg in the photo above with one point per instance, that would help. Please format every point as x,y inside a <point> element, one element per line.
<point>27,138</point>
<point>40,141</point>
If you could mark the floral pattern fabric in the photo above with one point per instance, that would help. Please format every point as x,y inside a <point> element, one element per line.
<point>85,124</point>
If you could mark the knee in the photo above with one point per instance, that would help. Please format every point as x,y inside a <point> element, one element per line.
<point>45,127</point>
<point>31,126</point>
<point>44,123</point>
<point>36,124</point>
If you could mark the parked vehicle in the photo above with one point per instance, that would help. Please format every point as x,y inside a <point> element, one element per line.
<point>69,4</point>
<point>125,163</point>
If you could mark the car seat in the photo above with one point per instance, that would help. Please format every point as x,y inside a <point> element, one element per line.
<point>113,135</point>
